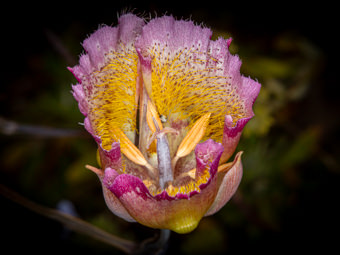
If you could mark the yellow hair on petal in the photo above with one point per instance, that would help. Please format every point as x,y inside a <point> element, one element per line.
<point>187,85</point>
<point>114,95</point>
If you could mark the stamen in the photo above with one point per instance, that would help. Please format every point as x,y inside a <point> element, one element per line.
<point>131,151</point>
<point>151,114</point>
<point>192,138</point>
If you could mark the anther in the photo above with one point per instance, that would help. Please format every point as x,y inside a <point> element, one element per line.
<point>193,137</point>
<point>131,151</point>
<point>151,116</point>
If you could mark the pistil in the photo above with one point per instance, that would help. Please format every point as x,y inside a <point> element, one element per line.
<point>163,156</point>
<point>164,160</point>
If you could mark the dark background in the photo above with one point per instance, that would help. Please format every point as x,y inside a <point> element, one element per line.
<point>289,193</point>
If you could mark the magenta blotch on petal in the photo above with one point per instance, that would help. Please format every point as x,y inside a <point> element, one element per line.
<point>205,152</point>
<point>231,136</point>
<point>111,158</point>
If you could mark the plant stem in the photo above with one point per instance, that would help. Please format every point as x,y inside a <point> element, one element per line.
<point>157,245</point>
<point>8,127</point>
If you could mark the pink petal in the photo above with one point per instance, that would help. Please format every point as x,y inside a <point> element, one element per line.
<point>107,38</point>
<point>248,91</point>
<point>176,34</point>
<point>102,42</point>
<point>129,26</point>
<point>116,206</point>
<point>99,43</point>
<point>228,182</point>
<point>84,69</point>
<point>79,95</point>
<point>111,200</point>
<point>88,127</point>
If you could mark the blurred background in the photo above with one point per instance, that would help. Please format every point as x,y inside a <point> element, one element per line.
<point>288,197</point>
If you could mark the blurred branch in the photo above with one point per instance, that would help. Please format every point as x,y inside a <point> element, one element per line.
<point>59,46</point>
<point>8,127</point>
<point>71,222</point>
<point>156,245</point>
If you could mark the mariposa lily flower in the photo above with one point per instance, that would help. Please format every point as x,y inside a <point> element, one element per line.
<point>166,106</point>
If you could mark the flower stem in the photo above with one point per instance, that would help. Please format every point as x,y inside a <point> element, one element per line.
<point>156,246</point>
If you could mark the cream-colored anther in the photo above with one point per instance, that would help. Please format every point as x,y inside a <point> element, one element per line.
<point>151,116</point>
<point>193,137</point>
<point>131,151</point>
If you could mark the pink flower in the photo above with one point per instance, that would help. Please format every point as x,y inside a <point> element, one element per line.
<point>166,106</point>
